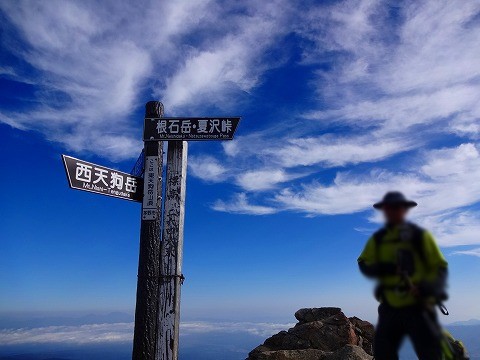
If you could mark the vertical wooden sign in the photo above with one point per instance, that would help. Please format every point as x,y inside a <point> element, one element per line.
<point>146,311</point>
<point>171,256</point>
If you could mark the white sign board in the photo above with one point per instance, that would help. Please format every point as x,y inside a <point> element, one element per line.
<point>150,192</point>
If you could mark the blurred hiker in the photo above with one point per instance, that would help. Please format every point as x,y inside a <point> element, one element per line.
<point>411,273</point>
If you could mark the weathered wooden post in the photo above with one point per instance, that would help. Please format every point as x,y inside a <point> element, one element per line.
<point>171,277</point>
<point>146,311</point>
<point>157,313</point>
<point>175,131</point>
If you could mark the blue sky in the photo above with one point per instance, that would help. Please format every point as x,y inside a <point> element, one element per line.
<point>340,102</point>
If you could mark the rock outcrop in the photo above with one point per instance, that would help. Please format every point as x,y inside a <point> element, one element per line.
<point>320,334</point>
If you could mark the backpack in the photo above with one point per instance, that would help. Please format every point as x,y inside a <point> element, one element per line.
<point>416,239</point>
<point>453,349</point>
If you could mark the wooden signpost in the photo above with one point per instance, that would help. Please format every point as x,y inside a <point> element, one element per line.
<point>157,312</point>
<point>146,311</point>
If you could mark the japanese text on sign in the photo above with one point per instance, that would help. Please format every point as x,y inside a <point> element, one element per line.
<point>86,176</point>
<point>150,209</point>
<point>190,128</point>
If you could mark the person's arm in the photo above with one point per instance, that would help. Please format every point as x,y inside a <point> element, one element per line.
<point>438,267</point>
<point>377,270</point>
<point>368,264</point>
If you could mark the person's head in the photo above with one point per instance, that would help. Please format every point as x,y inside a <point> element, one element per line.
<point>395,207</point>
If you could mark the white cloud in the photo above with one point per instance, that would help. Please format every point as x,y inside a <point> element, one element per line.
<point>442,185</point>
<point>83,334</point>
<point>473,252</point>
<point>234,63</point>
<point>304,154</point>
<point>349,193</point>
<point>262,179</point>
<point>390,85</point>
<point>397,80</point>
<point>92,66</point>
<point>332,151</point>
<point>462,160</point>
<point>207,168</point>
<point>466,125</point>
<point>397,115</point>
<point>87,85</point>
<point>397,84</point>
<point>239,205</point>
<point>123,332</point>
<point>420,70</point>
<point>454,228</point>
<point>437,47</point>
<point>7,71</point>
<point>260,329</point>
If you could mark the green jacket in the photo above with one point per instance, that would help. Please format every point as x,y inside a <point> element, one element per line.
<point>427,266</point>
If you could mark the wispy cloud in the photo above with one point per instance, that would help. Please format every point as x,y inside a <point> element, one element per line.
<point>399,80</point>
<point>441,183</point>
<point>388,81</point>
<point>123,332</point>
<point>239,204</point>
<point>233,63</point>
<point>394,84</point>
<point>207,168</point>
<point>258,164</point>
<point>259,329</point>
<point>87,84</point>
<point>263,179</point>
<point>92,65</point>
<point>83,334</point>
<point>472,252</point>
<point>455,228</point>
<point>398,68</point>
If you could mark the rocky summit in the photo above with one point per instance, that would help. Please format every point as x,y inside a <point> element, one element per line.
<point>320,334</point>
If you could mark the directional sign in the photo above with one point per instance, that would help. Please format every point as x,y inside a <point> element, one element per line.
<point>83,175</point>
<point>150,206</point>
<point>221,128</point>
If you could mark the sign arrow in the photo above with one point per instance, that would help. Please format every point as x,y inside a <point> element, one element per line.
<point>86,176</point>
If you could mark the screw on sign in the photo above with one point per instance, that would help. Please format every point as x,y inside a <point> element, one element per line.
<point>157,311</point>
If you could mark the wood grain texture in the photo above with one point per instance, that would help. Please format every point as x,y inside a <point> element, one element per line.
<point>146,311</point>
<point>172,251</point>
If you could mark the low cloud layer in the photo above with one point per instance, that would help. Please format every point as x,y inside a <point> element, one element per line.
<point>123,332</point>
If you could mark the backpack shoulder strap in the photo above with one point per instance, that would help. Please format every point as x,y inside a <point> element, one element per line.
<point>379,234</point>
<point>378,237</point>
<point>417,240</point>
